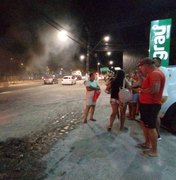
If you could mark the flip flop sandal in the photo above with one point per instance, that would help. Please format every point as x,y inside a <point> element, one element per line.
<point>109,129</point>
<point>92,119</point>
<point>152,154</point>
<point>144,153</point>
<point>148,154</point>
<point>142,146</point>
<point>85,121</point>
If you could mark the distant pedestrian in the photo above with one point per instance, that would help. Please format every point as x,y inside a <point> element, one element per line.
<point>150,95</point>
<point>135,82</point>
<point>92,93</point>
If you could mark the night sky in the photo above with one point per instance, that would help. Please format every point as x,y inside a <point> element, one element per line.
<point>28,29</point>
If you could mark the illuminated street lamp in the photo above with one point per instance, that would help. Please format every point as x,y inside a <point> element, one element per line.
<point>98,64</point>
<point>108,53</point>
<point>82,57</point>
<point>105,39</point>
<point>112,67</point>
<point>111,62</point>
<point>62,35</point>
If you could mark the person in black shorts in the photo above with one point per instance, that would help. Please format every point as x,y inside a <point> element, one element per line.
<point>150,95</point>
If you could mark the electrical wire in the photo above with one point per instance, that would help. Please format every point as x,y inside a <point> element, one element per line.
<point>54,24</point>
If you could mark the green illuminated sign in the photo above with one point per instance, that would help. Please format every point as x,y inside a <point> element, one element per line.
<point>160,31</point>
<point>104,69</point>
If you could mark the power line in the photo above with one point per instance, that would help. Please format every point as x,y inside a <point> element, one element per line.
<point>54,24</point>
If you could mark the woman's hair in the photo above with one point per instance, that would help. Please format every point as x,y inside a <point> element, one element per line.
<point>91,74</point>
<point>120,75</point>
<point>119,78</point>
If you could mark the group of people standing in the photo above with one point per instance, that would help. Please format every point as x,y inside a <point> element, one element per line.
<point>149,92</point>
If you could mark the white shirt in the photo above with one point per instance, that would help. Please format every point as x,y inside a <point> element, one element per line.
<point>166,74</point>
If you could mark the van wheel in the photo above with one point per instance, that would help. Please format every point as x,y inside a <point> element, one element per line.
<point>169,119</point>
<point>173,123</point>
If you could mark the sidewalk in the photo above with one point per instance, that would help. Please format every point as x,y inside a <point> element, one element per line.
<point>8,86</point>
<point>91,153</point>
<point>17,83</point>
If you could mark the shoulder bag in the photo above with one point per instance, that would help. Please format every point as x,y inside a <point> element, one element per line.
<point>125,95</point>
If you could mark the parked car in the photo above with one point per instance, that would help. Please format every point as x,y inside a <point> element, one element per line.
<point>68,80</point>
<point>50,79</point>
<point>168,109</point>
<point>78,77</point>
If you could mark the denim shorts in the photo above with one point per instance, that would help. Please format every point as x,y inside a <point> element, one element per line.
<point>135,97</point>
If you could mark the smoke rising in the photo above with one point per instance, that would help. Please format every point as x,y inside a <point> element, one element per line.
<point>51,49</point>
<point>26,37</point>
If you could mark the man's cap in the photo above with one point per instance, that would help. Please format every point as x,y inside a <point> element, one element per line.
<point>157,59</point>
<point>146,61</point>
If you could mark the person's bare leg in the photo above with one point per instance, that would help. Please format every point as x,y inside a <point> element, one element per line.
<point>130,110</point>
<point>122,118</point>
<point>158,122</point>
<point>118,112</point>
<point>146,135</point>
<point>86,111</point>
<point>92,110</point>
<point>153,140</point>
<point>113,115</point>
<point>134,106</point>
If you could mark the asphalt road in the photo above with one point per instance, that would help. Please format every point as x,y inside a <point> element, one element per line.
<point>26,108</point>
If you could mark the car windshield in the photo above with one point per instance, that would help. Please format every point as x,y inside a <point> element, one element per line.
<point>48,76</point>
<point>67,77</point>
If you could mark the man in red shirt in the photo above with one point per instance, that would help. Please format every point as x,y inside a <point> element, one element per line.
<point>150,95</point>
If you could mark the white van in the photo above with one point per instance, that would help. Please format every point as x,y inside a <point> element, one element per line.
<point>168,109</point>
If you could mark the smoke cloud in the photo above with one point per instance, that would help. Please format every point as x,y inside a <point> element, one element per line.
<point>51,49</point>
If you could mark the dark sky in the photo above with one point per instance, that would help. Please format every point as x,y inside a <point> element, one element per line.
<point>27,27</point>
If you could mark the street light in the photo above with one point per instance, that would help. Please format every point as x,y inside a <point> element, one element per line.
<point>62,35</point>
<point>89,51</point>
<point>111,62</point>
<point>98,64</point>
<point>82,57</point>
<point>105,39</point>
<point>108,53</point>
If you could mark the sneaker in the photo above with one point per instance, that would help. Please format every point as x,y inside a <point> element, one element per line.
<point>149,154</point>
<point>92,119</point>
<point>159,138</point>
<point>124,129</point>
<point>142,146</point>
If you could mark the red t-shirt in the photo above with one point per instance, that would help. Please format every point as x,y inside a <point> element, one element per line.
<point>156,76</point>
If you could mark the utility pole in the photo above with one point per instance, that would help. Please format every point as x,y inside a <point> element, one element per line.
<point>88,52</point>
<point>87,58</point>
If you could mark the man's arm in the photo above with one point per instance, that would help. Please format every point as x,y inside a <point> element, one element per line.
<point>90,88</point>
<point>155,83</point>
